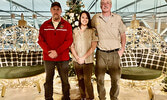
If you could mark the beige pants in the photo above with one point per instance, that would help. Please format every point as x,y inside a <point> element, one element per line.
<point>108,63</point>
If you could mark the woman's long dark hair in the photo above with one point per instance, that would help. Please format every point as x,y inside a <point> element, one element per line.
<point>89,19</point>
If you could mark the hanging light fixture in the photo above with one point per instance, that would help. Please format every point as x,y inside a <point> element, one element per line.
<point>34,16</point>
<point>12,16</point>
<point>22,22</point>
<point>134,23</point>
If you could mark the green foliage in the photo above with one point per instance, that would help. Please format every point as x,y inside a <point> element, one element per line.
<point>72,14</point>
<point>74,6</point>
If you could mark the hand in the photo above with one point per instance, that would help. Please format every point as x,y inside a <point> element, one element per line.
<point>52,54</point>
<point>120,52</point>
<point>81,60</point>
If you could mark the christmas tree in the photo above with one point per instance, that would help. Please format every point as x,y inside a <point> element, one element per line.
<point>72,15</point>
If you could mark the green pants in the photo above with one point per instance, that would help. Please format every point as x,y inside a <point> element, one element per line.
<point>84,73</point>
<point>108,63</point>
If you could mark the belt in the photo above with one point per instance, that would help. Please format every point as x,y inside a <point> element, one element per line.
<point>108,51</point>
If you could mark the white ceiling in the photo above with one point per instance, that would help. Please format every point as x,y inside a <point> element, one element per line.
<point>42,9</point>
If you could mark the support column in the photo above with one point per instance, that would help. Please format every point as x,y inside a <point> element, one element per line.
<point>159,26</point>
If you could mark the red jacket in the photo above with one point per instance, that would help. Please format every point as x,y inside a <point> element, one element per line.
<point>58,39</point>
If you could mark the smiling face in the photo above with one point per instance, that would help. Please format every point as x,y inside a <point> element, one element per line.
<point>84,19</point>
<point>106,6</point>
<point>56,13</point>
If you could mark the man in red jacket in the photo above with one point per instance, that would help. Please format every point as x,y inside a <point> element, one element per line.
<point>55,37</point>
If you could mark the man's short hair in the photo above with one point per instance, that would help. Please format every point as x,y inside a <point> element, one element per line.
<point>110,1</point>
<point>55,4</point>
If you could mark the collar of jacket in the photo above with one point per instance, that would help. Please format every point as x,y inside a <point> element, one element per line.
<point>61,22</point>
<point>101,16</point>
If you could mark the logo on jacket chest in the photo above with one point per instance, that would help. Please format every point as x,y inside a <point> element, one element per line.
<point>61,26</point>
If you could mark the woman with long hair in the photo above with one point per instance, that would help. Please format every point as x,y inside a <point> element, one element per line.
<point>83,46</point>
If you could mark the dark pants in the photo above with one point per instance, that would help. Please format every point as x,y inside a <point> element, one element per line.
<point>84,73</point>
<point>63,68</point>
<point>110,63</point>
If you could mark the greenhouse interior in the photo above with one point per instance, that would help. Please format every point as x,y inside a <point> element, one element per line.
<point>143,62</point>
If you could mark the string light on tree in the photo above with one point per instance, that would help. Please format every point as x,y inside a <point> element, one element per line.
<point>72,15</point>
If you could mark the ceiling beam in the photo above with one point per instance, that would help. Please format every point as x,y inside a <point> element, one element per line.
<point>92,5</point>
<point>95,1</point>
<point>151,16</point>
<point>146,10</point>
<point>146,16</point>
<point>4,11</point>
<point>152,8</point>
<point>15,3</point>
<point>24,11</point>
<point>8,16</point>
<point>8,12</point>
<point>127,13</point>
<point>132,3</point>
